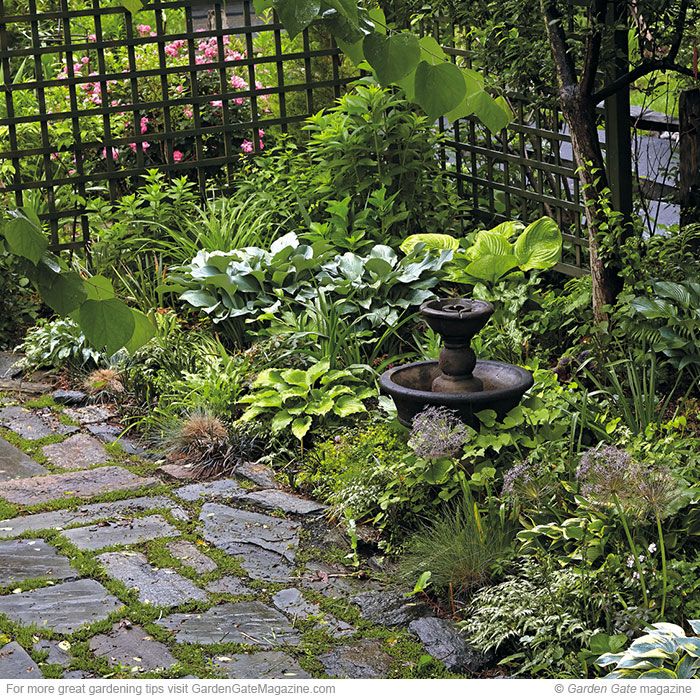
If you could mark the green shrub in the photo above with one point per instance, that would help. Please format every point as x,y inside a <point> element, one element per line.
<point>19,305</point>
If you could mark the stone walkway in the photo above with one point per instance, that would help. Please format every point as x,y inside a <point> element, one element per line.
<point>110,567</point>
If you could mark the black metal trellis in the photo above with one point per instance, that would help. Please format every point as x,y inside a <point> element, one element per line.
<point>281,84</point>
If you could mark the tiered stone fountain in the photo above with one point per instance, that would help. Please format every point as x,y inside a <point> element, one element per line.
<point>457,380</point>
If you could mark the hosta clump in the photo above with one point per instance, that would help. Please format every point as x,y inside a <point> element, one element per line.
<point>664,652</point>
<point>248,282</point>
<point>294,398</point>
<point>55,344</point>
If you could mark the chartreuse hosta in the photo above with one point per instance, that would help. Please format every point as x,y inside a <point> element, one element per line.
<point>417,64</point>
<point>491,255</point>
<point>294,398</point>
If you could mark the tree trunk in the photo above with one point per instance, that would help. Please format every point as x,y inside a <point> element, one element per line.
<point>579,113</point>
<point>689,149</point>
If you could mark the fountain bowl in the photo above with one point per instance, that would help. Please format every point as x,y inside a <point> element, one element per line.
<point>410,386</point>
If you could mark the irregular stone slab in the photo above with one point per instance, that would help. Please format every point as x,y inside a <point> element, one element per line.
<point>14,464</point>
<point>159,587</point>
<point>78,674</point>
<point>389,608</point>
<point>16,663</point>
<point>274,499</point>
<point>10,364</point>
<point>262,664</point>
<point>25,423</point>
<point>189,555</point>
<point>242,623</point>
<point>267,545</point>
<point>365,659</point>
<point>443,642</point>
<point>83,484</point>
<point>24,559</point>
<point>77,452</point>
<point>68,397</point>
<point>110,434</point>
<point>334,580</point>
<point>228,584</point>
<point>90,414</point>
<point>132,647</point>
<point>224,488</point>
<point>291,602</point>
<point>61,519</point>
<point>260,474</point>
<point>64,607</point>
<point>57,655</point>
<point>123,532</point>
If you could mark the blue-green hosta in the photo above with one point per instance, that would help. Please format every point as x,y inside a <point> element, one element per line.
<point>251,282</point>
<point>665,652</point>
<point>294,398</point>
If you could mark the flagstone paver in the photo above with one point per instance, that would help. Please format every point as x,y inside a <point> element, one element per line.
<point>64,607</point>
<point>267,545</point>
<point>189,555</point>
<point>363,659</point>
<point>121,532</point>
<point>90,414</point>
<point>15,464</point>
<point>133,648</point>
<point>57,654</point>
<point>225,488</point>
<point>77,452</point>
<point>274,499</point>
<point>16,663</point>
<point>82,484</point>
<point>25,423</point>
<point>232,585</point>
<point>262,664</point>
<point>160,587</point>
<point>27,559</point>
<point>248,622</point>
<point>292,602</point>
<point>82,515</point>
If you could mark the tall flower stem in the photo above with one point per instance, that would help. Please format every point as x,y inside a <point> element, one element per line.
<point>633,549</point>
<point>664,573</point>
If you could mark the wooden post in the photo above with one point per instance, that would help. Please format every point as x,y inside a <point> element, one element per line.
<point>618,136</point>
<point>689,148</point>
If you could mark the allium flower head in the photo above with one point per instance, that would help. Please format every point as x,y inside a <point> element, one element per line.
<point>604,473</point>
<point>438,432</point>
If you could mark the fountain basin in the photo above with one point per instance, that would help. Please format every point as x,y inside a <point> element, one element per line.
<point>409,386</point>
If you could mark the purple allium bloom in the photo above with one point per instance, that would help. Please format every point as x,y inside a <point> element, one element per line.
<point>520,472</point>
<point>605,472</point>
<point>438,432</point>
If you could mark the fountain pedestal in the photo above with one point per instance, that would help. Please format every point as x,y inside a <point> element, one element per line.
<point>458,380</point>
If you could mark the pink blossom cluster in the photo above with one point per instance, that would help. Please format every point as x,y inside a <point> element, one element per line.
<point>247,146</point>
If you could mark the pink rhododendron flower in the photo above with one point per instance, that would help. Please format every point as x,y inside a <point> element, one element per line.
<point>144,145</point>
<point>188,112</point>
<point>143,29</point>
<point>85,59</point>
<point>178,156</point>
<point>247,146</point>
<point>238,83</point>
<point>216,103</point>
<point>144,125</point>
<point>92,37</point>
<point>115,153</point>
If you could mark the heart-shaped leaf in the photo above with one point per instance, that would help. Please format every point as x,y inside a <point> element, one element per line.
<point>491,267</point>
<point>24,238</point>
<point>439,88</point>
<point>107,323</point>
<point>143,331</point>
<point>391,57</point>
<point>432,241</point>
<point>474,85</point>
<point>494,114</point>
<point>64,293</point>
<point>297,15</point>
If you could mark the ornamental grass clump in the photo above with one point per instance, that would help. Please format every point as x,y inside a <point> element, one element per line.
<point>104,385</point>
<point>437,433</point>
<point>610,477</point>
